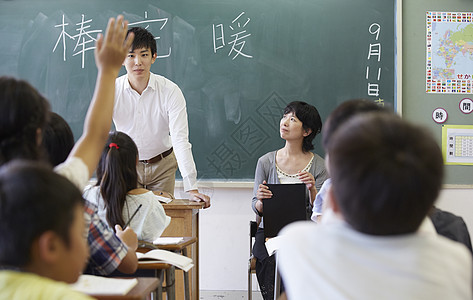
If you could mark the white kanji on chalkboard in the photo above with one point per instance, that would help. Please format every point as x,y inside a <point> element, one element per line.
<point>238,39</point>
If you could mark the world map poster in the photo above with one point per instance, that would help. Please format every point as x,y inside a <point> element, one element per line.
<point>449,52</point>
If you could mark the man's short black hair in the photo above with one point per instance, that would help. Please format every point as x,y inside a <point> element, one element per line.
<point>143,39</point>
<point>344,112</point>
<point>386,173</point>
<point>33,200</point>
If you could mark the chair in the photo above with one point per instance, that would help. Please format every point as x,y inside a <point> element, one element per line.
<point>252,259</point>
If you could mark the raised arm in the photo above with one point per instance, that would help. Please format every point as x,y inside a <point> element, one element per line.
<point>110,53</point>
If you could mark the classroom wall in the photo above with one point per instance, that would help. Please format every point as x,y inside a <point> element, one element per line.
<point>417,105</point>
<point>224,242</point>
<point>224,234</point>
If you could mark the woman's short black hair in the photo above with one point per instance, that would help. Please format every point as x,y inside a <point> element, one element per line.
<point>310,118</point>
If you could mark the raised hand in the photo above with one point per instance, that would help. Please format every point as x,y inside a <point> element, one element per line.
<point>111,50</point>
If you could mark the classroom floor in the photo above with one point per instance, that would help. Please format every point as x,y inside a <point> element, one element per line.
<point>228,295</point>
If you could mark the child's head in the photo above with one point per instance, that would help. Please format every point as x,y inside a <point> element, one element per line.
<point>143,39</point>
<point>310,118</point>
<point>23,115</point>
<point>386,173</point>
<point>58,139</point>
<point>345,111</point>
<point>116,174</point>
<point>41,222</point>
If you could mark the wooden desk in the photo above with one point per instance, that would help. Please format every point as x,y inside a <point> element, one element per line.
<point>186,241</point>
<point>159,269</point>
<point>181,248</point>
<point>185,222</point>
<point>145,286</point>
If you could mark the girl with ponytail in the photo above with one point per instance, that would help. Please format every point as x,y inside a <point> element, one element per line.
<point>117,196</point>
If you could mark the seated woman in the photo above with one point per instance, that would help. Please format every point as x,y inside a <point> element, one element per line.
<point>117,196</point>
<point>294,163</point>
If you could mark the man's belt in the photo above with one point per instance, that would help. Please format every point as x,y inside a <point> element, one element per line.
<point>157,158</point>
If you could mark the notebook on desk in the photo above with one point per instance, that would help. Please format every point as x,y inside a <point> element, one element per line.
<point>287,205</point>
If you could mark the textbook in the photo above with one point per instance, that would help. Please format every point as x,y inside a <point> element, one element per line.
<point>157,255</point>
<point>98,285</point>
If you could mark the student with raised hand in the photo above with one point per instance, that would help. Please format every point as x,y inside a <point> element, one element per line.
<point>116,194</point>
<point>294,163</point>
<point>386,175</point>
<point>23,115</point>
<point>42,245</point>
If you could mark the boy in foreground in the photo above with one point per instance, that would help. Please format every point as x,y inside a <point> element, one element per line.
<point>41,233</point>
<point>386,175</point>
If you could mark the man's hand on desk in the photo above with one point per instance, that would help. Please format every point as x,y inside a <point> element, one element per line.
<point>194,195</point>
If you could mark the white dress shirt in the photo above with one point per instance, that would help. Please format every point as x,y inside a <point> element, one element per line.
<point>333,261</point>
<point>156,120</point>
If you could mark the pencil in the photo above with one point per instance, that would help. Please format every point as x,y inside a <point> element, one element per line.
<point>129,220</point>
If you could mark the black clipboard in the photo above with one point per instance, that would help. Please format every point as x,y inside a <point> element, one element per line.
<point>287,205</point>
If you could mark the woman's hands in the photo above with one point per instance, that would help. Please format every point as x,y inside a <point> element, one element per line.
<point>307,178</point>
<point>263,192</point>
<point>309,181</point>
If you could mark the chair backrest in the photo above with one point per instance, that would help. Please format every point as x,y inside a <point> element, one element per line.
<point>253,229</point>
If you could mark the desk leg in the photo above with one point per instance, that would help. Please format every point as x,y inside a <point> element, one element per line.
<point>158,294</point>
<point>186,279</point>
<point>170,284</point>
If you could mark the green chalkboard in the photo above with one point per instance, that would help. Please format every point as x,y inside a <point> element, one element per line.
<point>238,62</point>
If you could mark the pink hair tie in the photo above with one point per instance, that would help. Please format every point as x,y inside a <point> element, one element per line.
<point>113,145</point>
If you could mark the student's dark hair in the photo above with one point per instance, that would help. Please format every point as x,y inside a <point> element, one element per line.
<point>116,174</point>
<point>345,111</point>
<point>310,118</point>
<point>143,39</point>
<point>58,139</point>
<point>386,173</point>
<point>33,200</point>
<point>23,110</point>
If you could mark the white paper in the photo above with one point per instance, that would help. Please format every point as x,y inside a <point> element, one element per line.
<point>163,199</point>
<point>273,244</point>
<point>168,240</point>
<point>98,285</point>
<point>157,255</point>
